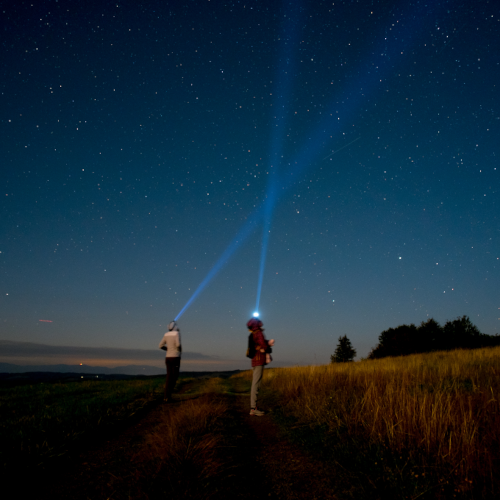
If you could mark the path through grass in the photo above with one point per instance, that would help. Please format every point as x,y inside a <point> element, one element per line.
<point>312,444</point>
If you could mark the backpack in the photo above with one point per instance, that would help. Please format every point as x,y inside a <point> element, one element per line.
<point>251,347</point>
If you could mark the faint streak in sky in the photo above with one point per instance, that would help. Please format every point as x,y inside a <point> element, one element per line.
<point>340,149</point>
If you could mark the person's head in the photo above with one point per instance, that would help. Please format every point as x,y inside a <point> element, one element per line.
<point>254,324</point>
<point>172,326</point>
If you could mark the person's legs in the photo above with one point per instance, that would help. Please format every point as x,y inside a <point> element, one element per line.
<point>256,380</point>
<point>176,365</point>
<point>173,366</point>
<point>170,376</point>
<point>165,393</point>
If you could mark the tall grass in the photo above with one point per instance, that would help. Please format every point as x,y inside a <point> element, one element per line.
<point>440,411</point>
<point>182,452</point>
<point>179,455</point>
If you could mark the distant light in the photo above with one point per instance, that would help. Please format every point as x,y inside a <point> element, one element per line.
<point>255,314</point>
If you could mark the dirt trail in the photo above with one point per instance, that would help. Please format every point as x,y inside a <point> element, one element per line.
<point>291,473</point>
<point>257,462</point>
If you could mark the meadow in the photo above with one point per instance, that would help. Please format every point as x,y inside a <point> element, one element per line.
<point>48,428</point>
<point>42,420</point>
<point>420,425</point>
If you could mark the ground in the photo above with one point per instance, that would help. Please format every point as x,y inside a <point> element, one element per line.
<point>251,459</point>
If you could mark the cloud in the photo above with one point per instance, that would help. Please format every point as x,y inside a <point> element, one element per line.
<point>31,353</point>
<point>23,352</point>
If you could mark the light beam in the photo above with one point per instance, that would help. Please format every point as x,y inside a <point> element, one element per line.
<point>243,234</point>
<point>283,92</point>
<point>379,63</point>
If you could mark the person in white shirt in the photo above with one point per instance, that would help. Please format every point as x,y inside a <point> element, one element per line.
<point>171,342</point>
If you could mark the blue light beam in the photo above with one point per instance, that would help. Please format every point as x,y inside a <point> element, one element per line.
<point>268,211</point>
<point>379,64</point>
<point>243,234</point>
<point>283,92</point>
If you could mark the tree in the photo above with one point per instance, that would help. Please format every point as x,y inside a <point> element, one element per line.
<point>344,351</point>
<point>396,342</point>
<point>430,336</point>
<point>460,333</point>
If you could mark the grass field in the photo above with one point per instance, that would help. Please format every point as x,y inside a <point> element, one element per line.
<point>42,420</point>
<point>421,423</point>
<point>421,426</point>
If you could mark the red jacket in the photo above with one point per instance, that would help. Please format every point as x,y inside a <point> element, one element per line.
<point>260,343</point>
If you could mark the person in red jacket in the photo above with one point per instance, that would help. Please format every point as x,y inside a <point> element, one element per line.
<point>262,350</point>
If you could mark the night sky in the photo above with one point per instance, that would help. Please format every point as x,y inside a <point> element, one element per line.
<point>144,144</point>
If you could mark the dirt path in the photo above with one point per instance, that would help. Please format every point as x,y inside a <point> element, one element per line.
<point>255,462</point>
<point>291,474</point>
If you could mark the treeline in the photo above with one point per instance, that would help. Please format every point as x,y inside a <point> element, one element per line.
<point>430,336</point>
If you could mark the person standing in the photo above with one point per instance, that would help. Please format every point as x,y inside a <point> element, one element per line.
<point>171,342</point>
<point>262,349</point>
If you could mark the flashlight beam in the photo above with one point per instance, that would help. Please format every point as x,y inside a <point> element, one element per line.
<point>369,83</point>
<point>227,254</point>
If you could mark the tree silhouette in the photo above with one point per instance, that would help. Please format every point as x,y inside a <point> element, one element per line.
<point>344,351</point>
<point>460,333</point>
<point>430,336</point>
<point>398,341</point>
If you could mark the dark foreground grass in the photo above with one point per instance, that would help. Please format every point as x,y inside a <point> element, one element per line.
<point>179,457</point>
<point>186,449</point>
<point>203,449</point>
<point>204,445</point>
<point>41,421</point>
<point>196,447</point>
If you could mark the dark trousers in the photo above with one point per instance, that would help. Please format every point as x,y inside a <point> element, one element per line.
<point>173,365</point>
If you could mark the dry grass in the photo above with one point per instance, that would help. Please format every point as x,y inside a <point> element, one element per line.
<point>173,452</point>
<point>180,455</point>
<point>439,411</point>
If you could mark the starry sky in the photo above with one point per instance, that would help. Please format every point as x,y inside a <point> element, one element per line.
<point>150,147</point>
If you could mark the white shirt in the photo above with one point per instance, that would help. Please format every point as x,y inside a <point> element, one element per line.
<point>172,341</point>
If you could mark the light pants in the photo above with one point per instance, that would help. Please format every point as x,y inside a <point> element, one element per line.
<point>256,380</point>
